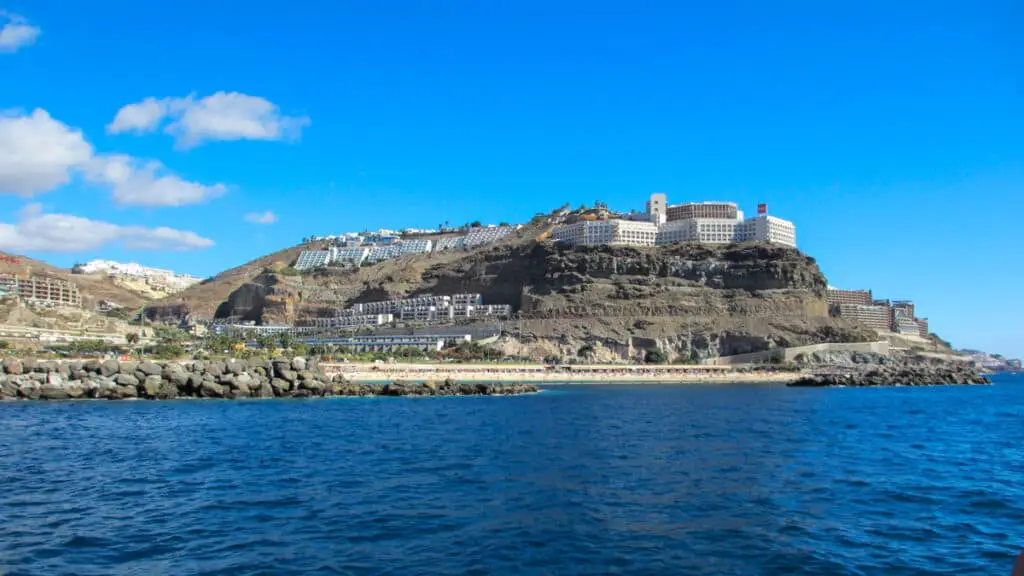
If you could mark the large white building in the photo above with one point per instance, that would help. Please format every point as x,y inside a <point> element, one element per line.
<point>428,308</point>
<point>704,222</point>
<point>765,228</point>
<point>616,232</point>
<point>352,321</point>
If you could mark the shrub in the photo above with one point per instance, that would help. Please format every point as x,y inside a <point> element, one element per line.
<point>655,356</point>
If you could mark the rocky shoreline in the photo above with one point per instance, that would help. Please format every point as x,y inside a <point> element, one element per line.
<point>30,379</point>
<point>897,376</point>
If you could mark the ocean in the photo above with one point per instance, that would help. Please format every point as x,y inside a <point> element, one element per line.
<point>580,479</point>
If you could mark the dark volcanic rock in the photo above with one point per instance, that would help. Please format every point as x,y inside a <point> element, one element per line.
<point>166,380</point>
<point>897,376</point>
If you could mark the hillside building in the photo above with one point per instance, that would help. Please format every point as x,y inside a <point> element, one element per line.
<point>312,259</point>
<point>157,279</point>
<point>611,232</point>
<point>487,235</point>
<point>702,210</point>
<point>657,208</point>
<point>874,317</point>
<point>352,321</point>
<point>765,228</point>
<point>450,243</point>
<point>415,246</point>
<point>837,297</point>
<point>902,308</point>
<point>349,256</point>
<point>426,309</point>
<point>41,291</point>
<point>390,343</point>
<point>703,222</point>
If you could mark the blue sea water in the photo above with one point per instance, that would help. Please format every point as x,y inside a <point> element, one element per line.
<point>578,479</point>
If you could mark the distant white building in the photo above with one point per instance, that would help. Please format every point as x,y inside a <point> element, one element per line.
<point>382,253</point>
<point>165,280</point>
<point>352,321</point>
<point>765,228</point>
<point>415,246</point>
<point>704,222</point>
<point>450,243</point>
<point>615,232</point>
<point>312,259</point>
<point>352,256</point>
<point>481,236</point>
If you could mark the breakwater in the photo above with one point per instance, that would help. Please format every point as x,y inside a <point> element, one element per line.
<point>32,379</point>
<point>898,376</point>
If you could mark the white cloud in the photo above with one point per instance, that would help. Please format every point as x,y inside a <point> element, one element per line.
<point>139,183</point>
<point>221,116</point>
<point>267,217</point>
<point>142,117</point>
<point>36,231</point>
<point>16,32</point>
<point>38,153</point>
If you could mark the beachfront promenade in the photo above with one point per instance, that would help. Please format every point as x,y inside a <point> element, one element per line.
<point>666,374</point>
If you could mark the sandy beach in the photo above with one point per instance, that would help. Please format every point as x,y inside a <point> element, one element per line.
<point>364,372</point>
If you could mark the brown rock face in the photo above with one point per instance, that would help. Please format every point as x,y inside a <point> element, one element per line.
<point>688,300</point>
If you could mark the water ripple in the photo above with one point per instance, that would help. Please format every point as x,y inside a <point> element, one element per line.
<point>603,479</point>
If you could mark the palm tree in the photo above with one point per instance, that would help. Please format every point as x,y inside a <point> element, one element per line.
<point>286,340</point>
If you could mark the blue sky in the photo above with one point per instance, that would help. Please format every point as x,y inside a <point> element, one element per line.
<point>892,136</point>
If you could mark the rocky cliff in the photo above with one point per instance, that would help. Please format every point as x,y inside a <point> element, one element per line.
<point>688,300</point>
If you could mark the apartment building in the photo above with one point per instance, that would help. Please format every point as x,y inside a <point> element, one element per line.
<point>481,310</point>
<point>704,210</point>
<point>429,308</point>
<point>41,291</point>
<point>352,321</point>
<point>487,235</point>
<point>874,317</point>
<point>765,228</point>
<point>415,246</point>
<point>471,299</point>
<point>390,343</point>
<point>613,232</point>
<point>903,308</point>
<point>382,253</point>
<point>922,325</point>
<point>426,313</point>
<point>396,306</point>
<point>349,256</point>
<point>311,259</point>
<point>252,330</point>
<point>837,297</point>
<point>450,243</point>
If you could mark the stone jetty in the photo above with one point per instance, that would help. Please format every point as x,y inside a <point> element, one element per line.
<point>897,376</point>
<point>32,379</point>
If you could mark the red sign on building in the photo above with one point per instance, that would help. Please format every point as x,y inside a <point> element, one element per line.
<point>762,208</point>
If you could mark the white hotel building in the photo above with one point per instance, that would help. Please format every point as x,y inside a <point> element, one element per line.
<point>706,222</point>
<point>615,232</point>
